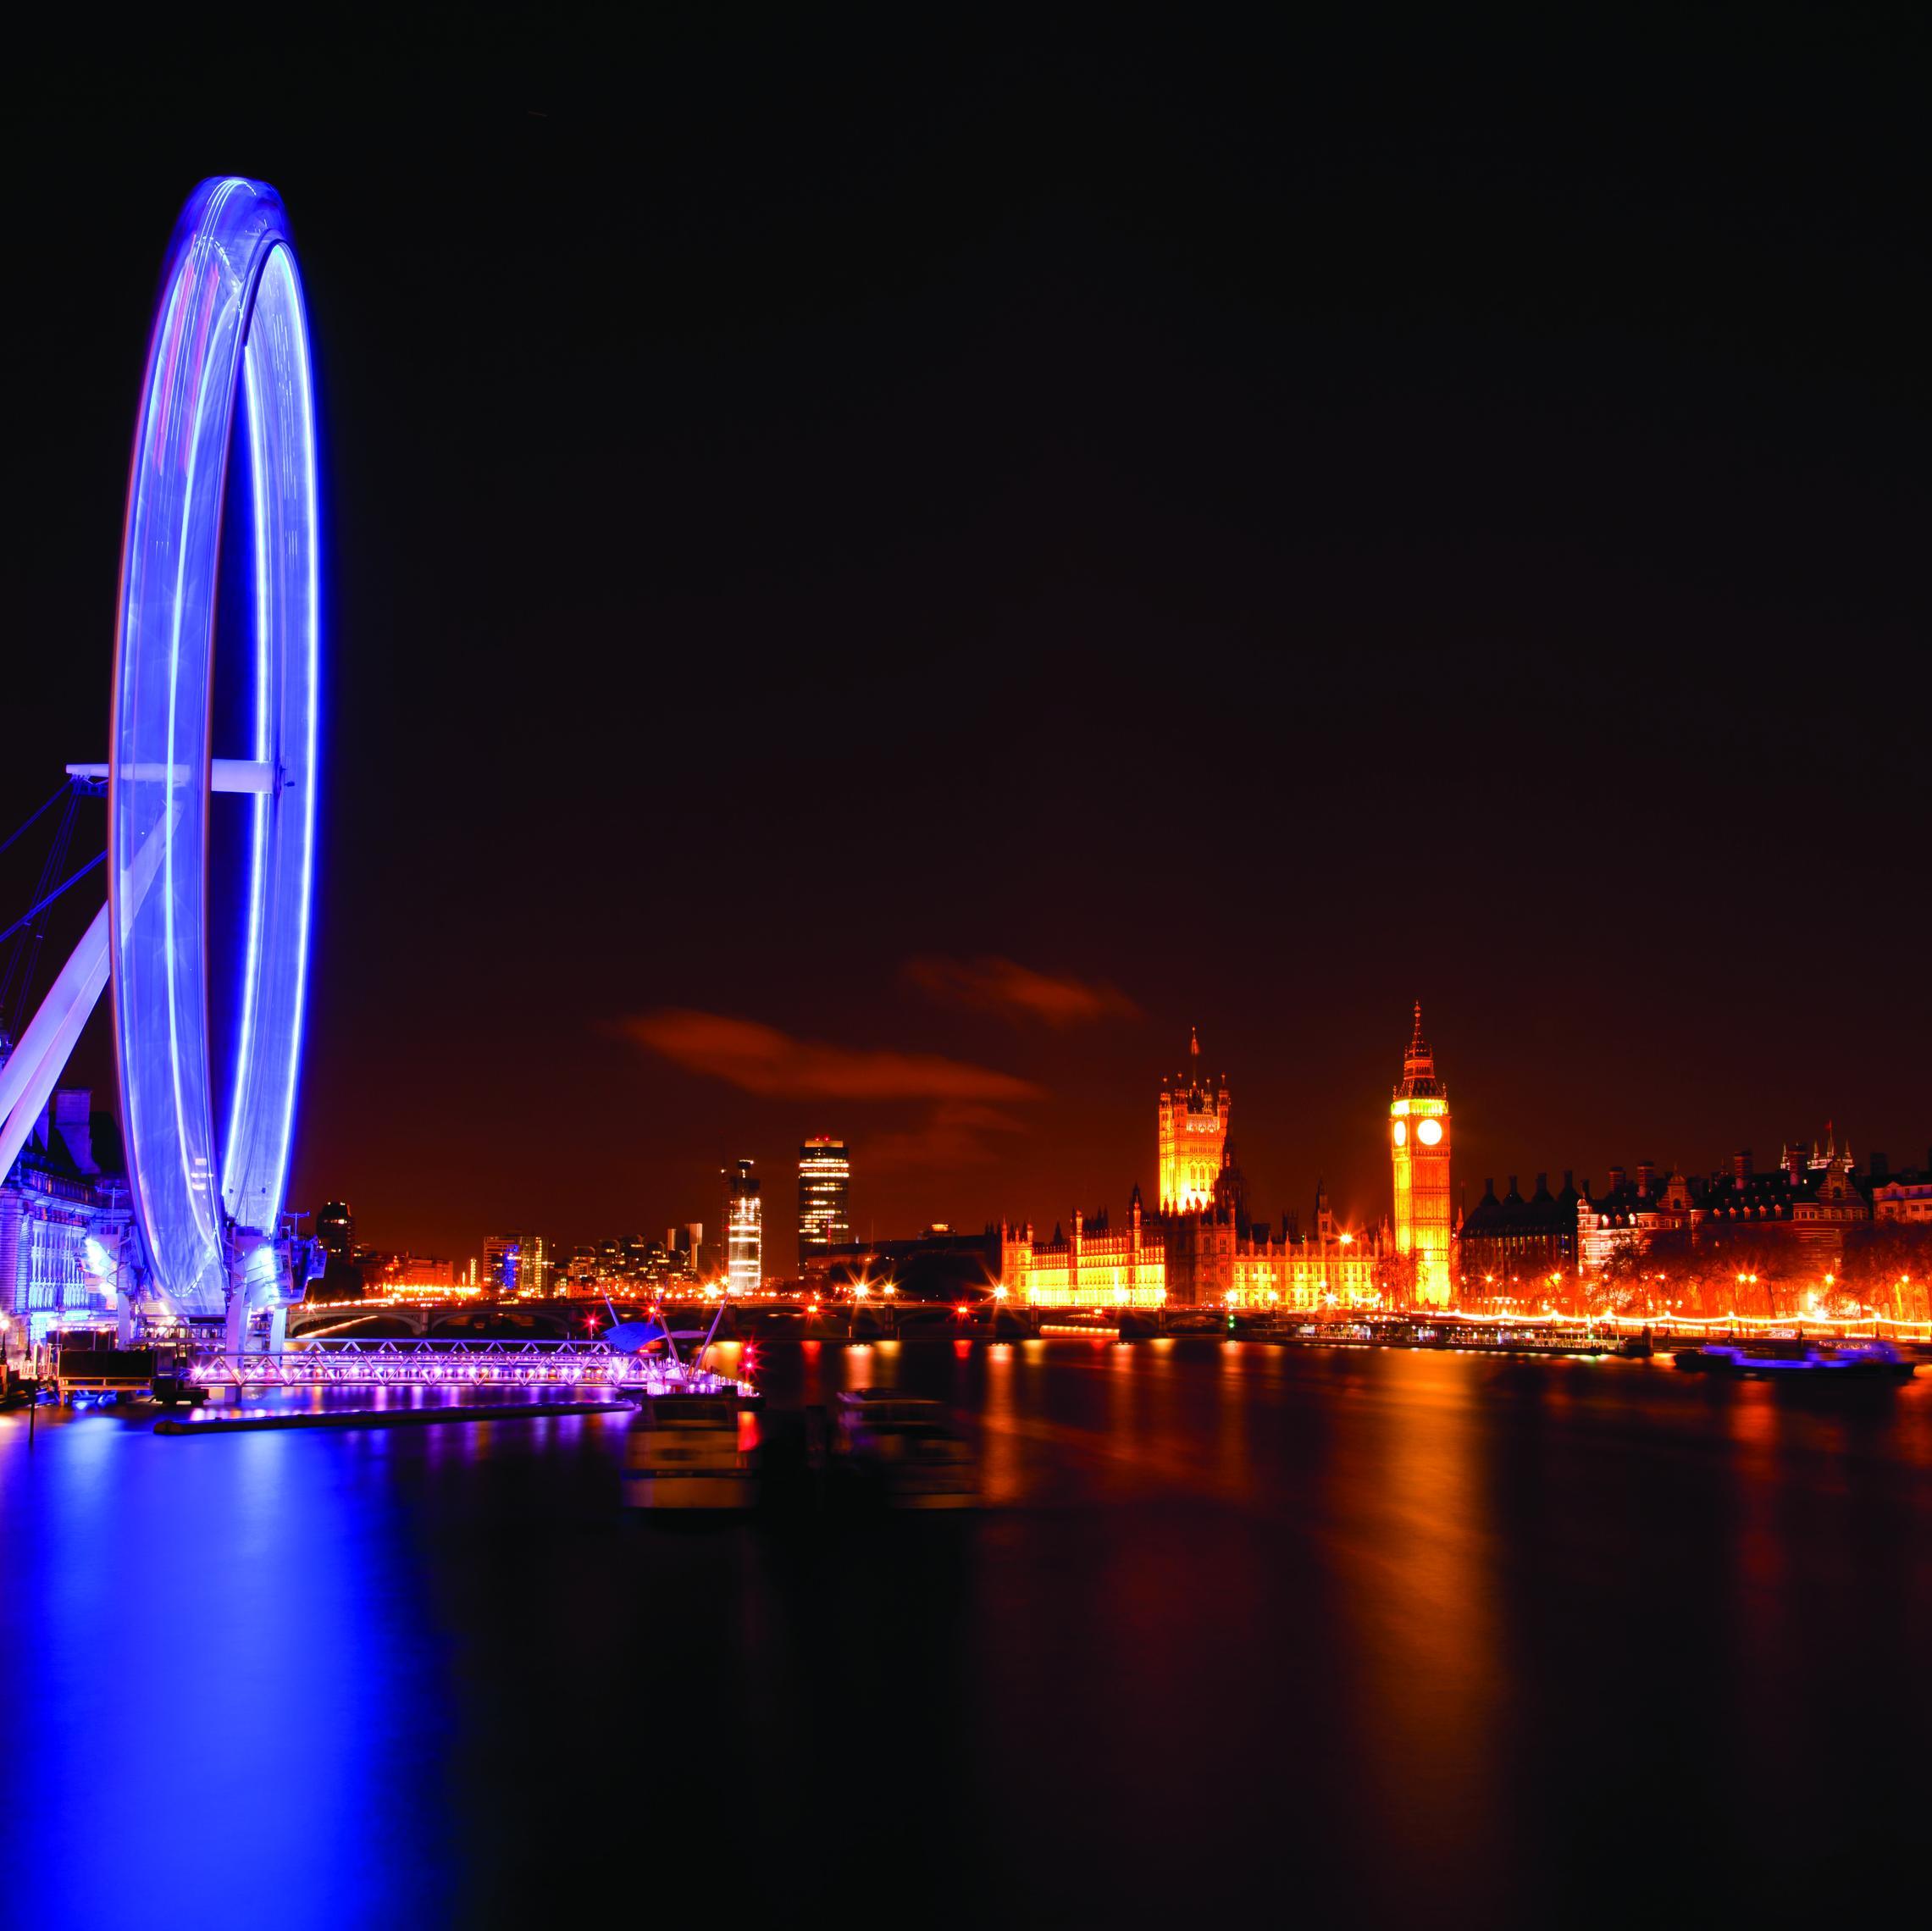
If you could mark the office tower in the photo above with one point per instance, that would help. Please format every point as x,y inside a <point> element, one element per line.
<point>516,1266</point>
<point>743,1230</point>
<point>335,1228</point>
<point>824,1200</point>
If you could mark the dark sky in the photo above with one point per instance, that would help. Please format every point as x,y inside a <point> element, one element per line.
<point>880,572</point>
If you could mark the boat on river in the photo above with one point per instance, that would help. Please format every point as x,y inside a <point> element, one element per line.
<point>688,1451</point>
<point>902,1450</point>
<point>1793,1358</point>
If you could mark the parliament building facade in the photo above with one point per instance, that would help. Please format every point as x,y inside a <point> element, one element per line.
<point>1201,1248</point>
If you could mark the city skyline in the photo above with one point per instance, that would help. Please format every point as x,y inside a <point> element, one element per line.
<point>1247,590</point>
<point>1046,888</point>
<point>1187,1169</point>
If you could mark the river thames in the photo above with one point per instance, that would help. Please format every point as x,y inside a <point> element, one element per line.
<point>1336,1636</point>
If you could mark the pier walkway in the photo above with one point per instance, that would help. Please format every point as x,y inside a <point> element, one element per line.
<point>457,1363</point>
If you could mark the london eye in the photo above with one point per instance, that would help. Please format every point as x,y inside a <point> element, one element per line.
<point>230,334</point>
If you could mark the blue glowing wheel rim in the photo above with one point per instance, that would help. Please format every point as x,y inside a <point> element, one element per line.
<point>229,323</point>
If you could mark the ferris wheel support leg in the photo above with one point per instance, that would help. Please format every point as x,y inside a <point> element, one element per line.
<point>30,1076</point>
<point>235,1333</point>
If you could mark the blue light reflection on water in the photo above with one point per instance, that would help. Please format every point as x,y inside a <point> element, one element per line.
<point>227,1680</point>
<point>1385,1637</point>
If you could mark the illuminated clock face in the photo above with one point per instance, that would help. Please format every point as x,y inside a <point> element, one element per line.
<point>1428,1131</point>
<point>1401,1132</point>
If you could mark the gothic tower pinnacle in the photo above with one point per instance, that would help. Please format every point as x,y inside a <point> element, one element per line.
<point>1193,1135</point>
<point>1417,1064</point>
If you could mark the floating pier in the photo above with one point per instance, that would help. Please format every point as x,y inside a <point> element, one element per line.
<point>215,1423</point>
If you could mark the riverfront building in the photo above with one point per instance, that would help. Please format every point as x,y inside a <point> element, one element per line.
<point>628,1263</point>
<point>824,1201</point>
<point>743,1230</point>
<point>1799,1212</point>
<point>425,1276</point>
<point>1905,1197</point>
<point>1511,1250</point>
<point>516,1267</point>
<point>335,1228</point>
<point>1636,1213</point>
<point>1222,1258</point>
<point>67,1241</point>
<point>1202,1249</point>
<point>1096,1266</point>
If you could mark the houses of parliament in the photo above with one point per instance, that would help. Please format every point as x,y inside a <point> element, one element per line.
<point>1200,1247</point>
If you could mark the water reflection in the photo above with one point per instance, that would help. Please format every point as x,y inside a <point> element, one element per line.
<point>999,1433</point>
<point>1393,1637</point>
<point>1412,1549</point>
<point>208,1647</point>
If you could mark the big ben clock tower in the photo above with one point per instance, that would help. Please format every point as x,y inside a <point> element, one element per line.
<point>1418,1145</point>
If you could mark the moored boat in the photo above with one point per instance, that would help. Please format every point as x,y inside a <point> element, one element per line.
<point>902,1450</point>
<point>688,1451</point>
<point>1779,1359</point>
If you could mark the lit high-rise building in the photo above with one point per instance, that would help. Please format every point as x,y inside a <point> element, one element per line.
<point>1419,1146</point>
<point>500,1258</point>
<point>516,1266</point>
<point>335,1228</point>
<point>1194,1134</point>
<point>743,1230</point>
<point>824,1199</point>
<point>533,1266</point>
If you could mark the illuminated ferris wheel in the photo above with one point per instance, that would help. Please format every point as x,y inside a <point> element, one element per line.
<point>230,327</point>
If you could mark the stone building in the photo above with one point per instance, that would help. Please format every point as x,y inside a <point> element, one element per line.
<point>1203,1250</point>
<point>1799,1212</point>
<point>1510,1250</point>
<point>1644,1213</point>
<point>1095,1266</point>
<point>1192,1138</point>
<point>1905,1197</point>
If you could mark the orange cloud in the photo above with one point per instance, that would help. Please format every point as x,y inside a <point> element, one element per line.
<point>1017,991</point>
<point>762,1059</point>
<point>954,1136</point>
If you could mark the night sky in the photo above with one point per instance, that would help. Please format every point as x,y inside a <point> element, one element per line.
<point>878,573</point>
